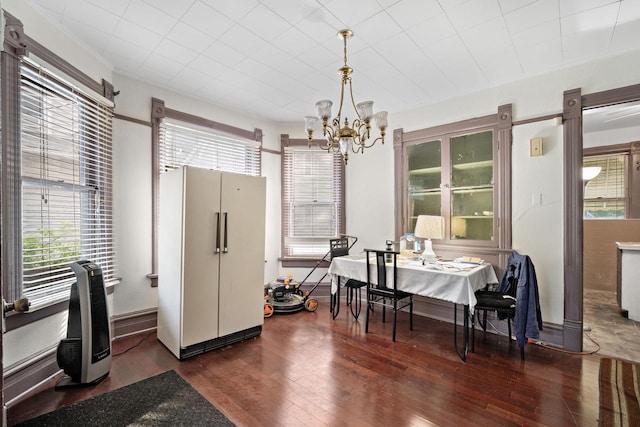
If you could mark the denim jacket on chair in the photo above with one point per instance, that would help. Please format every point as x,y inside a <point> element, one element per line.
<point>528,316</point>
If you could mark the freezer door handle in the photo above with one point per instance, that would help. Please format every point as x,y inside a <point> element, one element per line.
<point>226,249</point>
<point>217,233</point>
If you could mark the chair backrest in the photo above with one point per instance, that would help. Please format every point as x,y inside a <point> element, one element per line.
<point>339,247</point>
<point>381,268</point>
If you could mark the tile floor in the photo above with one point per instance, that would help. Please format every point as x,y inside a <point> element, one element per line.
<point>617,336</point>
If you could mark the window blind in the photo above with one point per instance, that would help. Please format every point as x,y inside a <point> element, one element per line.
<point>605,195</point>
<point>313,200</point>
<point>66,157</point>
<point>188,144</point>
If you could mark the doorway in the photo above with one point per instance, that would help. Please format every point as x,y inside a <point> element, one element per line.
<point>607,135</point>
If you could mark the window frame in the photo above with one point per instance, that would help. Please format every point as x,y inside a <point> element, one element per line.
<point>17,45</point>
<point>158,113</point>
<point>305,261</point>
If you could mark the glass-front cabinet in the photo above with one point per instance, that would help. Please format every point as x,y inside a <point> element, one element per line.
<point>453,176</point>
<point>462,172</point>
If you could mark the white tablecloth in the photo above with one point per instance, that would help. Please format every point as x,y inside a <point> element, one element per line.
<point>455,283</point>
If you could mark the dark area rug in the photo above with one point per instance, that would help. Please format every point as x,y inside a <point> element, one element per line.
<point>619,400</point>
<point>163,400</point>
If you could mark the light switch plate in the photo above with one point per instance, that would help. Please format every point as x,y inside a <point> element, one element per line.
<point>535,147</point>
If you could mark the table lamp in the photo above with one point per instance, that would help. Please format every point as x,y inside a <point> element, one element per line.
<point>429,227</point>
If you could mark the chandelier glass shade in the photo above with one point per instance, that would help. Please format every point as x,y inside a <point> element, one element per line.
<point>341,135</point>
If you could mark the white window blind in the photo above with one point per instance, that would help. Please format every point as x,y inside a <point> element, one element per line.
<point>313,200</point>
<point>66,178</point>
<point>187,144</point>
<point>605,195</point>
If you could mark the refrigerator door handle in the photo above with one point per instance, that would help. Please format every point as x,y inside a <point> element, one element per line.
<point>217,251</point>
<point>226,249</point>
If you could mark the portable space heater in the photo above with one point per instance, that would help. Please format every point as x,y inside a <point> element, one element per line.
<point>85,354</point>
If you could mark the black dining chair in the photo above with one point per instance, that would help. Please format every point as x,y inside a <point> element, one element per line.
<point>353,288</point>
<point>502,303</point>
<point>518,295</point>
<point>384,292</point>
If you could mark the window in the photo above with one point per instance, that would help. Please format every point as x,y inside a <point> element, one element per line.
<point>605,196</point>
<point>65,155</point>
<point>313,199</point>
<point>187,144</point>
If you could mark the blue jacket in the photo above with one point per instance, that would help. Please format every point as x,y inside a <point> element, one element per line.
<point>528,317</point>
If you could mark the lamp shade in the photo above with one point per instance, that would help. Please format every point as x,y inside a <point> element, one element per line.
<point>429,227</point>
<point>381,119</point>
<point>311,123</point>
<point>590,172</point>
<point>365,110</point>
<point>324,108</point>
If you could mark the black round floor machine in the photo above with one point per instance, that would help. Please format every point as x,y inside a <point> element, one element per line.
<point>284,295</point>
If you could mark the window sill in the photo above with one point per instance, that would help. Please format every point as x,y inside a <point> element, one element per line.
<point>15,320</point>
<point>300,262</point>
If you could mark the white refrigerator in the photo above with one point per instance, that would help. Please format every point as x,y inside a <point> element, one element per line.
<point>211,242</point>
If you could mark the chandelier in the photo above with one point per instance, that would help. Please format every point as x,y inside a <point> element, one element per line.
<point>340,136</point>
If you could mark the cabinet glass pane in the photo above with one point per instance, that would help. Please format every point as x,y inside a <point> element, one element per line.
<point>472,160</point>
<point>425,176</point>
<point>422,204</point>
<point>424,166</point>
<point>472,214</point>
<point>472,186</point>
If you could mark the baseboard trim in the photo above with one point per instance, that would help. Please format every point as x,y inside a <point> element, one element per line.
<point>29,378</point>
<point>135,322</point>
<point>322,290</point>
<point>573,334</point>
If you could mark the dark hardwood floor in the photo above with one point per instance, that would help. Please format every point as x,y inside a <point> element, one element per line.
<point>306,369</point>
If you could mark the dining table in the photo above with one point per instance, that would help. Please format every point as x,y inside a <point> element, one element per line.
<point>454,281</point>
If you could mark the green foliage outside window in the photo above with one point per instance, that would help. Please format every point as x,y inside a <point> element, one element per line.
<point>45,248</point>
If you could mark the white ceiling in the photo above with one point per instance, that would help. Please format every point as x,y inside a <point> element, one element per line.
<point>275,58</point>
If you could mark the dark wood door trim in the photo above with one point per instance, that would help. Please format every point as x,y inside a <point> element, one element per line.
<point>573,105</point>
<point>572,118</point>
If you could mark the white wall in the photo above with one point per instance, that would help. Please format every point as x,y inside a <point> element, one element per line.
<point>537,211</point>
<point>132,217</point>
